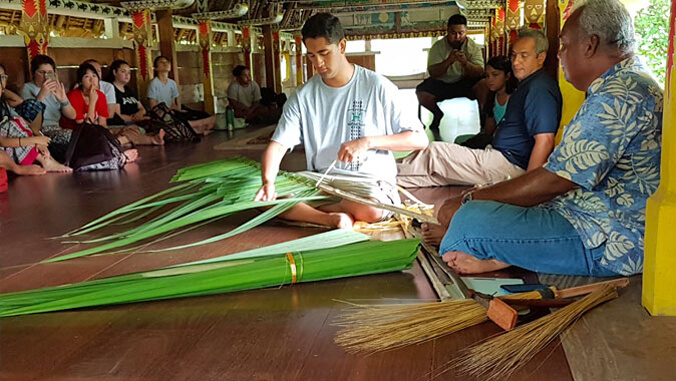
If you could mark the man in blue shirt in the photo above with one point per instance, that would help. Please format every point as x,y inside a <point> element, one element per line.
<point>524,138</point>
<point>583,213</point>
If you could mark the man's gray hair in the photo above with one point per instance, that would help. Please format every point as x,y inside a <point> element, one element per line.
<point>610,21</point>
<point>541,42</point>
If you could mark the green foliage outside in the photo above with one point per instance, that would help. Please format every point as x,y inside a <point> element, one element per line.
<point>652,29</point>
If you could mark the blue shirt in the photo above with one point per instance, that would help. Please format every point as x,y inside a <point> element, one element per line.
<point>534,108</point>
<point>612,149</point>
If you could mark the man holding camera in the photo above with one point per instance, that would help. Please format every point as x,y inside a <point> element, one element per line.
<point>455,64</point>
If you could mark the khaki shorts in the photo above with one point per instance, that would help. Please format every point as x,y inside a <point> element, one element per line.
<point>380,190</point>
<point>442,164</point>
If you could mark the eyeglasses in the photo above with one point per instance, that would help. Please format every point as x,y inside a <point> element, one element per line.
<point>3,77</point>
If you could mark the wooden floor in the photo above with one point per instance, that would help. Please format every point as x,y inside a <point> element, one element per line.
<point>273,334</point>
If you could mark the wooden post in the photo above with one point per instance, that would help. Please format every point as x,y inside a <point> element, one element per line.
<point>34,27</point>
<point>500,25</point>
<point>143,44</point>
<point>310,69</point>
<point>167,44</point>
<point>659,266</point>
<point>246,49</point>
<point>553,29</point>
<point>276,50</point>
<point>268,43</point>
<point>299,61</point>
<point>205,40</point>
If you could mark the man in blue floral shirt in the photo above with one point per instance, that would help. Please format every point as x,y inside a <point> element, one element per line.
<point>583,212</point>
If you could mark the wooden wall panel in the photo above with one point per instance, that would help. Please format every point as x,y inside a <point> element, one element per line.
<point>16,63</point>
<point>259,68</point>
<point>190,79</point>
<point>223,63</point>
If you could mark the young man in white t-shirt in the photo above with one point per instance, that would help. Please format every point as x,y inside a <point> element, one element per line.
<point>346,113</point>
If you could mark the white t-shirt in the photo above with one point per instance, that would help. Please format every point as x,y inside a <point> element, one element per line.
<point>245,95</point>
<point>163,92</point>
<point>323,118</point>
<point>108,89</point>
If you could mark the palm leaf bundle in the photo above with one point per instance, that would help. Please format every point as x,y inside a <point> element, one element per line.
<point>272,266</point>
<point>211,191</point>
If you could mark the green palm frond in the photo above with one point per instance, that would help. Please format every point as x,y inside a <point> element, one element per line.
<point>212,191</point>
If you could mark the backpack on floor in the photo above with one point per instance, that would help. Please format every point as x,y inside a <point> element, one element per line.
<point>93,147</point>
<point>177,128</point>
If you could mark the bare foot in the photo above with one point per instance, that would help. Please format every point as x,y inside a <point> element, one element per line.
<point>158,139</point>
<point>466,264</point>
<point>433,233</point>
<point>131,154</point>
<point>51,165</point>
<point>28,170</point>
<point>340,221</point>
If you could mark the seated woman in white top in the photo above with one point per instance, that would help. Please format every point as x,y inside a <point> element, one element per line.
<point>127,110</point>
<point>163,89</point>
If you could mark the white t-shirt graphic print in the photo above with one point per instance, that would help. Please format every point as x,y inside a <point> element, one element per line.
<point>322,118</point>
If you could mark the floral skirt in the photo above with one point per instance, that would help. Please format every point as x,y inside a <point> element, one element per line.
<point>17,128</point>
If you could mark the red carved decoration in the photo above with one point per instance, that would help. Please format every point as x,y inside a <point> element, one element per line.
<point>137,18</point>
<point>30,8</point>
<point>143,65</point>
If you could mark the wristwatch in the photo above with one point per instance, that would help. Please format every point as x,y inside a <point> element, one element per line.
<point>467,197</point>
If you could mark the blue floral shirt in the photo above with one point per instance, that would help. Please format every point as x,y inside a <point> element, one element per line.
<point>612,149</point>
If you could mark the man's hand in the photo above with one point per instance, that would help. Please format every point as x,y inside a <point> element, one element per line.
<point>447,211</point>
<point>47,87</point>
<point>266,193</point>
<point>461,57</point>
<point>452,56</point>
<point>354,150</point>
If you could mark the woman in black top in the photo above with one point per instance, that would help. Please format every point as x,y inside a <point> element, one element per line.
<point>129,110</point>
